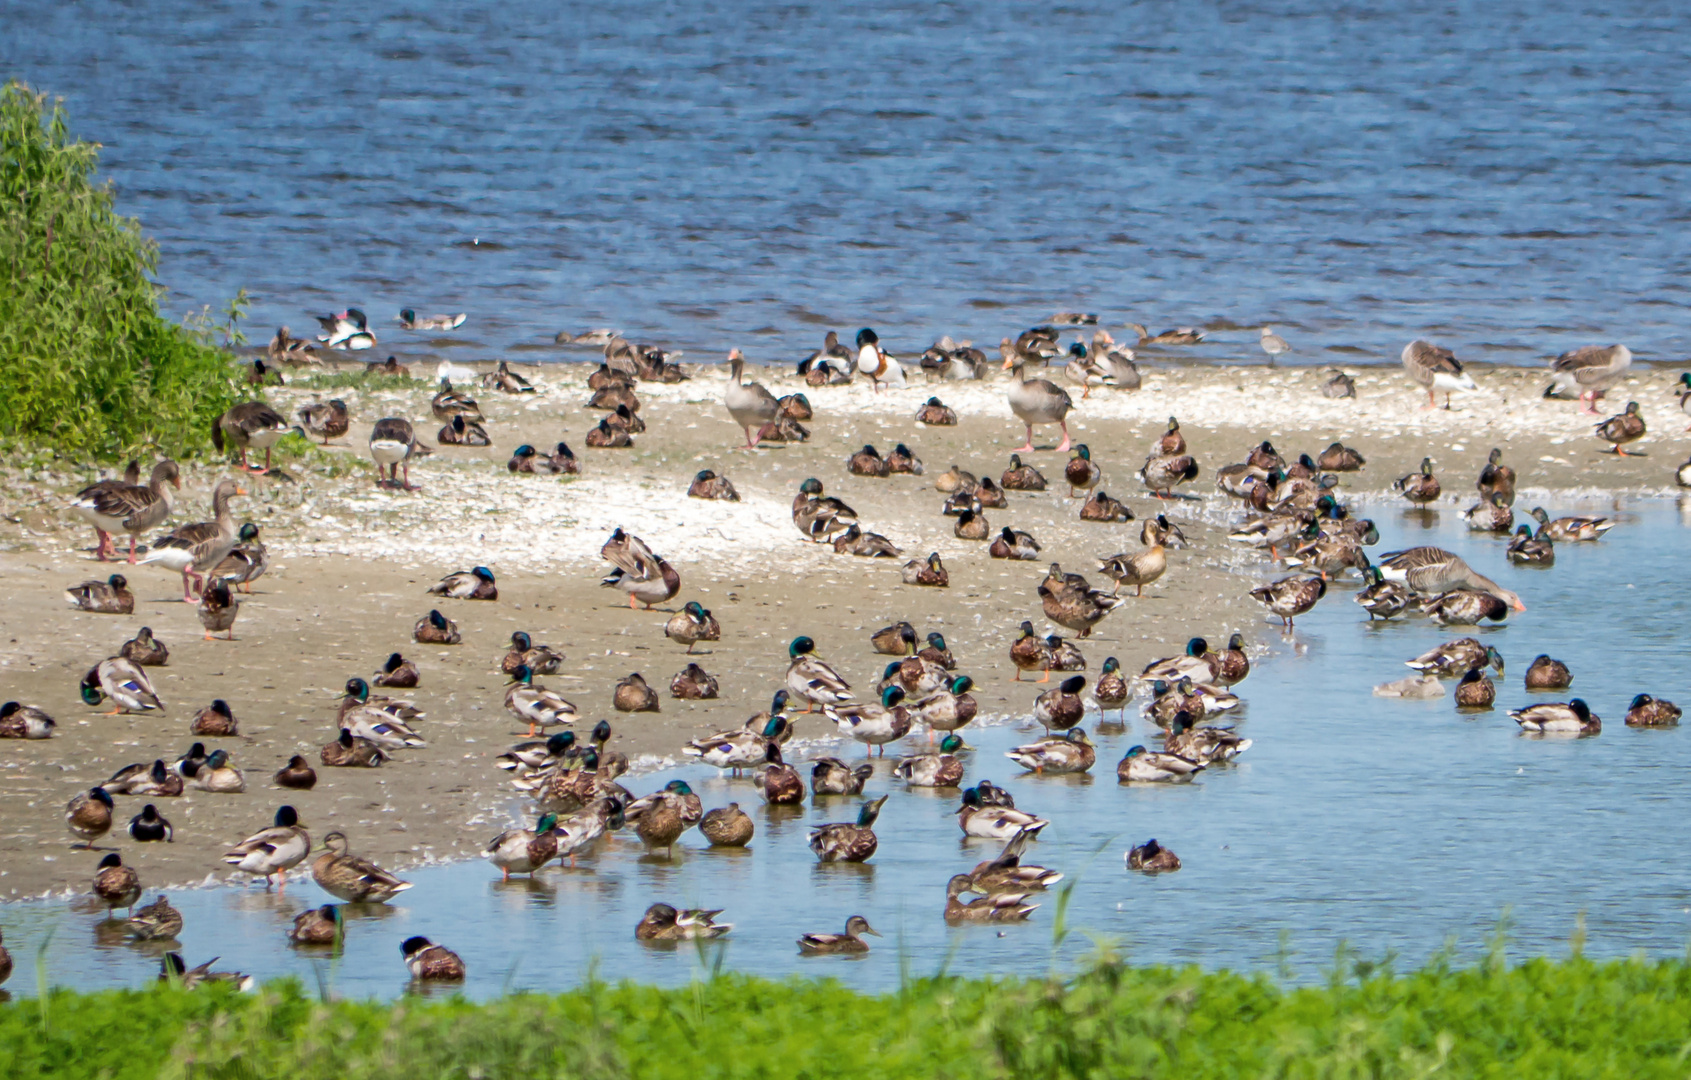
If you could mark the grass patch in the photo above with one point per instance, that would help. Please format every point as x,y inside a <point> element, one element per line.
<point>1546,1018</point>
<point>354,380</point>
<point>87,364</point>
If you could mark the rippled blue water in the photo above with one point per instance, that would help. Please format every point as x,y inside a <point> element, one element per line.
<point>1393,826</point>
<point>1508,178</point>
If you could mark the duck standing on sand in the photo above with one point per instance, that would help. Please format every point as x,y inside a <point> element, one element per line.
<point>1591,369</point>
<point>1437,369</point>
<point>642,575</point>
<point>1624,428</point>
<point>324,419</point>
<point>750,404</point>
<point>873,361</point>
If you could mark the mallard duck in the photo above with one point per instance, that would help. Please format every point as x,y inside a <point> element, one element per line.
<point>901,460</point>
<point>1023,477</point>
<point>1496,479</point>
<point>1234,664</point>
<point>1435,570</point>
<point>117,885</point>
<point>284,346</point>
<point>475,584</point>
<point>854,541</point>
<point>1204,745</point>
<point>461,432</point>
<point>1141,764</point>
<point>1290,596</point>
<point>154,780</point>
<point>643,575</point>
<point>624,420</point>
<point>1005,873</point>
<point>351,751</point>
<point>1573,717</point>
<point>158,921</point>
<point>1101,507</point>
<point>564,789</point>
<point>392,446</point>
<point>1340,458</point>
<point>1111,690</point>
<point>727,826</point>
<point>1078,608</point>
<point>707,485</point>
<point>450,402</point>
<point>874,725</point>
<point>324,419</point>
<point>318,926</point>
<point>1464,607</point>
<point>25,722</point>
<point>112,506</point>
<point>1161,473</point>
<point>1071,752</point>
<point>1547,674</point>
<point>782,784</point>
<point>963,502</point>
<point>526,459</point>
<point>1114,361</point>
<point>1647,711</point>
<point>539,659</point>
<point>632,694</point>
<point>172,968</point>
<point>1014,544</point>
<point>429,962</point>
<point>659,819</point>
<point>1570,528</point>
<point>899,639</point>
<point>1201,699</point>
<point>538,755</point>
<point>832,944</point>
<point>149,826</point>
<point>1492,515</point>
<point>955,479</point>
<point>948,708</point>
<point>1061,707</point>
<point>506,381</point>
<point>397,673</point>
<point>1197,663</point>
<point>194,549</point>
<point>976,817</point>
<point>145,650</point>
<point>607,437</point>
<point>521,851</point>
<point>972,526</point>
<point>613,396</point>
<point>581,829</point>
<point>1419,487</point>
<point>1454,658</point>
<point>217,610</point>
<point>936,413</point>
<point>89,815</point>
<point>391,367</point>
<point>1185,335</point>
<point>811,679</point>
<point>793,407</point>
<point>1475,691</point>
<point>251,425</point>
<point>663,923</point>
<point>693,683</point>
<point>246,562</point>
<point>1525,549</point>
<point>436,629</point>
<point>999,907</point>
<point>297,774</point>
<point>124,682</point>
<point>351,878</point>
<point>214,721</point>
<point>274,850</point>
<point>1038,401</point>
<point>1382,599</point>
<point>1138,569</point>
<point>1621,429</point>
<point>831,776</point>
<point>745,747</point>
<point>933,769</point>
<point>358,696</point>
<point>1029,653</point>
<point>691,625</point>
<point>1152,858</point>
<point>217,775</point>
<point>538,706</point>
<point>108,597</point>
<point>1436,368</point>
<point>868,462</point>
<point>846,842</point>
<point>1081,473</point>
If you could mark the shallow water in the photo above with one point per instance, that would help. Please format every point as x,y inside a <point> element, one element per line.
<point>1393,826</point>
<point>743,174</point>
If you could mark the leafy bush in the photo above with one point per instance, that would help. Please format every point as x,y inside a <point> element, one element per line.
<point>87,364</point>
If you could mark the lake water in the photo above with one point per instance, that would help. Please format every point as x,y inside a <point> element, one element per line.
<point>1509,179</point>
<point>1392,826</point>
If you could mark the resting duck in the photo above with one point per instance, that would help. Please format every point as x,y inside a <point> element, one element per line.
<point>1006,873</point>
<point>955,479</point>
<point>296,774</point>
<point>1340,458</point>
<point>831,365</point>
<point>1023,477</point>
<point>781,783</point>
<point>663,923</point>
<point>604,437</point>
<point>1152,858</point>
<point>941,769</point>
<point>1339,386</point>
<point>1456,658</point>
<point>461,432</point>
<point>999,907</point>
<point>539,659</point>
<point>1161,473</point>
<point>936,413</point>
<point>901,460</point>
<point>1071,752</point>
<point>214,721</point>
<point>1204,745</point>
<point>474,584</point>
<point>972,525</point>
<point>633,695</point>
<point>1547,674</point>
<point>1185,335</point>
<point>108,597</point>
<point>899,639</point>
<point>831,776</point>
<point>868,462</point>
<point>707,485</point>
<point>1492,515</point>
<point>994,822</point>
<point>1572,718</point>
<point>25,722</point>
<point>854,541</point>
<point>846,842</point>
<point>398,673</point>
<point>151,827</point>
<point>436,629</point>
<point>727,826</point>
<point>521,851</point>
<point>691,625</point>
<point>428,962</point>
<point>1014,544</point>
<point>1475,691</point>
<point>1142,765</point>
<point>1647,711</point>
<point>928,572</point>
<point>158,921</point>
<point>350,751</point>
<point>1573,527</point>
<point>318,926</point>
<point>833,944</point>
<point>1101,507</point>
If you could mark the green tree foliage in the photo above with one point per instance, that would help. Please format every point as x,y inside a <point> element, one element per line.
<point>87,364</point>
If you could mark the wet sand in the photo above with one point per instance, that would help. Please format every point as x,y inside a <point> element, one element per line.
<point>351,563</point>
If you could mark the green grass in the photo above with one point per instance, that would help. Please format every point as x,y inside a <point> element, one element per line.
<point>1569,1018</point>
<point>354,380</point>
<point>88,366</point>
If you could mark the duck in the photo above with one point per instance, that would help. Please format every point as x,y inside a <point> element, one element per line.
<point>854,541</point>
<point>324,419</point>
<point>782,785</point>
<point>1111,689</point>
<point>955,479</point>
<point>1233,664</point>
<point>19,721</point>
<point>390,367</point>
<point>172,968</point>
<point>436,629</point>
<point>145,650</point>
<point>1647,711</point>
<point>194,549</point>
<point>1204,745</point>
<point>346,330</point>
<point>1082,369</point>
<point>1591,369</point>
<point>978,819</point>
<point>708,485</point>
<point>831,365</point>
<point>632,694</point>
<point>661,922</point>
<point>1013,544</point>
<point>108,597</point>
<point>643,575</point>
<point>1571,528</point>
<point>1382,599</point>
<point>217,775</point>
<point>1200,699</point>
<point>117,885</point>
<point>261,375</point>
<point>351,878</point>
<point>1419,487</point>
<point>246,562</point>
<point>461,432</point>
<point>1475,691</point>
<point>1492,515</point>
<point>935,413</point>
<point>873,361</point>
<point>868,462</point>
<point>971,525</point>
<point>125,683</point>
<point>1435,570</point>
<point>138,779</point>
<point>902,460</point>
<point>874,725</point>
<point>1621,429</point>
<point>811,679</point>
<point>999,907</point>
<point>693,683</point>
<point>831,776</point>
<point>521,851</point>
<point>1061,707</point>
<point>297,774</point>
<point>158,921</point>
<point>89,815</point>
<point>1029,653</point>
<point>393,444</point>
<point>581,829</point>
<point>273,850</point>
<point>1077,608</point>
<point>112,506</point>
<point>398,673</point>
<point>285,347</point>
<point>1455,658</point>
<point>1525,549</point>
<point>526,758</point>
<point>217,610</point>
<point>1340,458</point>
<point>691,625</point>
<point>475,584</point>
<point>1141,568</point>
<point>1547,674</point>
<point>1197,663</point>
<point>1071,752</point>
<point>929,572</point>
<point>1464,607</point>
<point>1185,335</point>
<point>848,842</point>
<point>607,437</point>
<point>850,942</point>
<point>1572,717</point>
<point>1436,368</point>
<point>1142,765</point>
<point>1161,473</point>
<point>149,826</point>
<point>1496,479</point>
<point>251,425</point>
<point>214,721</point>
<point>318,926</point>
<point>916,675</point>
<point>948,708</point>
<point>1340,385</point>
<point>933,769</point>
<point>1038,401</point>
<point>1152,858</point>
<point>428,962</point>
<point>539,659</point>
<point>659,819</point>
<point>899,639</point>
<point>727,826</point>
<point>936,651</point>
<point>351,751</point>
<point>540,707</point>
<point>1006,873</point>
<point>526,459</point>
<point>1101,507</point>
<point>506,381</point>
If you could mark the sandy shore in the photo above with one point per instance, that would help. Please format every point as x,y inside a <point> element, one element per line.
<point>351,564</point>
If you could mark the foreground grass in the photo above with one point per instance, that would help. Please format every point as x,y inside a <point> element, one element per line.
<point>1572,1018</point>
